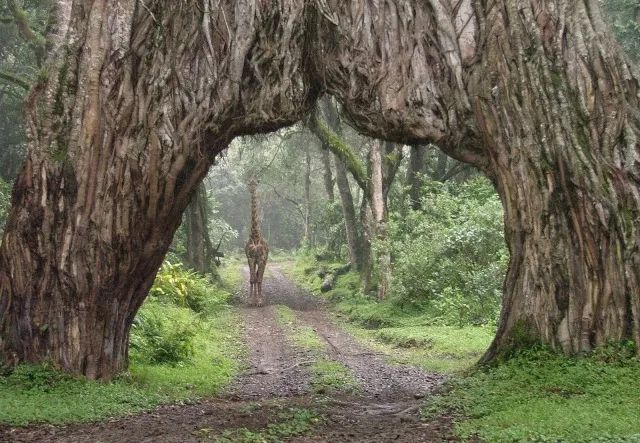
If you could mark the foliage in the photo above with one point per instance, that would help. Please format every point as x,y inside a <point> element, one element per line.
<point>295,423</point>
<point>624,18</point>
<point>163,334</point>
<point>5,202</point>
<point>450,257</point>
<point>183,287</point>
<point>544,397</point>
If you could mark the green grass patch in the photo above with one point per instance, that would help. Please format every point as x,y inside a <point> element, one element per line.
<point>302,336</point>
<point>546,397</point>
<point>295,422</point>
<point>331,376</point>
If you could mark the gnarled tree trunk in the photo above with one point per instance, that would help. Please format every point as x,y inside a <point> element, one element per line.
<point>539,97</point>
<point>138,102</point>
<point>141,96</point>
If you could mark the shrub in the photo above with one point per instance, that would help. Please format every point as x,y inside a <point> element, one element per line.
<point>177,285</point>
<point>163,333</point>
<point>450,257</point>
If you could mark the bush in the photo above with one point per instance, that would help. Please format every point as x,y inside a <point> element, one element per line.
<point>450,257</point>
<point>177,285</point>
<point>163,334</point>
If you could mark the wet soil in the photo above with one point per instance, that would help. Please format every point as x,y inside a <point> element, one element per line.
<point>276,378</point>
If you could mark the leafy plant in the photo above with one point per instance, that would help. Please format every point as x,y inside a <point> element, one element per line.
<point>163,334</point>
<point>183,287</point>
<point>450,257</point>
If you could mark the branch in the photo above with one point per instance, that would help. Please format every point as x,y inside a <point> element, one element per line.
<point>331,141</point>
<point>12,78</point>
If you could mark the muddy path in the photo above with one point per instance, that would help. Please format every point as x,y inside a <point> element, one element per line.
<point>277,378</point>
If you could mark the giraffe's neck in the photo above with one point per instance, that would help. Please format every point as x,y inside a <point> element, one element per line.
<point>255,222</point>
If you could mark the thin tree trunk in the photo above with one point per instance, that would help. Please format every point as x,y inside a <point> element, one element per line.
<point>307,195</point>
<point>416,167</point>
<point>328,175</point>
<point>199,248</point>
<point>379,210</point>
<point>349,214</point>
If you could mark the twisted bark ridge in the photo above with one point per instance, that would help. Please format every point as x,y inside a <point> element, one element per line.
<point>141,96</point>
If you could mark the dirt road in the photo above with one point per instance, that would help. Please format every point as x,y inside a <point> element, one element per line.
<point>278,378</point>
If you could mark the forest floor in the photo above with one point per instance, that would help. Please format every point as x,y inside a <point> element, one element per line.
<point>306,380</point>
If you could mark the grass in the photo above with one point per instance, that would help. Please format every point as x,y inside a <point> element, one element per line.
<point>303,336</point>
<point>295,422</point>
<point>442,349</point>
<point>547,397</point>
<point>40,394</point>
<point>326,375</point>
<point>331,376</point>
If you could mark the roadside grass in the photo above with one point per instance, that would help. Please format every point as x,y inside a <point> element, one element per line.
<point>41,394</point>
<point>545,397</point>
<point>326,375</point>
<point>295,422</point>
<point>538,396</point>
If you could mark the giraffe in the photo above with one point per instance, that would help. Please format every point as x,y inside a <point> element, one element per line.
<point>257,250</point>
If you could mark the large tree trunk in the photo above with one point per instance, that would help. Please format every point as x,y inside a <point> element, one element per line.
<point>139,97</point>
<point>539,97</point>
<point>137,103</point>
<point>199,254</point>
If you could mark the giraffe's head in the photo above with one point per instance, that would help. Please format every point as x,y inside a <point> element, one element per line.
<point>253,184</point>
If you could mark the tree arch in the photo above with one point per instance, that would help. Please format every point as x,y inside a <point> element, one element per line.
<point>139,98</point>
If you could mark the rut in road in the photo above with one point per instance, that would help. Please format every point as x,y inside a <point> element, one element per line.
<point>277,378</point>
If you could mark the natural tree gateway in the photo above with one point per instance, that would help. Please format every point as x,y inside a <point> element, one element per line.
<point>139,97</point>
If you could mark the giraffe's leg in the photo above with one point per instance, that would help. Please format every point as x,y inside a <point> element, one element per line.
<point>260,273</point>
<point>252,282</point>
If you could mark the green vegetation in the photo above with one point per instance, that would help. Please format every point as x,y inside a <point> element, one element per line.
<point>303,336</point>
<point>5,202</point>
<point>177,354</point>
<point>326,375</point>
<point>544,397</point>
<point>295,423</point>
<point>332,376</point>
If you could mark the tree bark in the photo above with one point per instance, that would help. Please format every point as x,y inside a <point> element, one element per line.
<point>139,97</point>
<point>538,96</point>
<point>138,101</point>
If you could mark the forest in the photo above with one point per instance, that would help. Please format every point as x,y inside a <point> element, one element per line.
<point>269,221</point>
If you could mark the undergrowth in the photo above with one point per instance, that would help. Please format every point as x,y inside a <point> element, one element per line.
<point>184,344</point>
<point>540,396</point>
